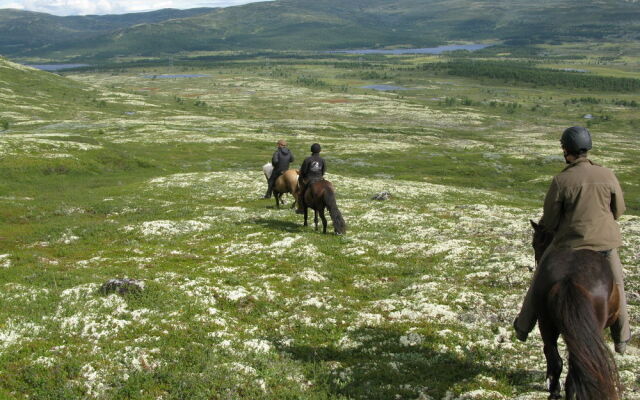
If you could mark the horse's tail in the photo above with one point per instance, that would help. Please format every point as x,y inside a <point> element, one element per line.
<point>339,226</point>
<point>592,370</point>
<point>267,169</point>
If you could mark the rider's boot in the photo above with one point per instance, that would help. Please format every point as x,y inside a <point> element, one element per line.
<point>269,190</point>
<point>301,205</point>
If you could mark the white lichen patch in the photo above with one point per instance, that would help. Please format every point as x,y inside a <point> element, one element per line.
<point>93,381</point>
<point>166,228</point>
<point>14,332</point>
<point>15,292</point>
<point>258,346</point>
<point>5,260</point>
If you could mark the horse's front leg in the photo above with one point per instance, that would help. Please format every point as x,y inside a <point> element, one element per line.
<point>295,201</point>
<point>277,197</point>
<point>315,218</point>
<point>554,362</point>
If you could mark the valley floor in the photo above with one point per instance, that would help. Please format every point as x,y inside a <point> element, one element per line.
<point>159,179</point>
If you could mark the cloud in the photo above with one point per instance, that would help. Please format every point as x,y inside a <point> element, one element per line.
<point>11,5</point>
<point>87,7</point>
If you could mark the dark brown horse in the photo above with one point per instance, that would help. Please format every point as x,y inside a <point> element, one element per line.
<point>318,196</point>
<point>576,298</point>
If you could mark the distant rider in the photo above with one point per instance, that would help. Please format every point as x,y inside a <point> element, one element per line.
<point>312,170</point>
<point>281,159</point>
<point>580,210</point>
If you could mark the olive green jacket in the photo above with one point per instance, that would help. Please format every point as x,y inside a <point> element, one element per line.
<point>581,207</point>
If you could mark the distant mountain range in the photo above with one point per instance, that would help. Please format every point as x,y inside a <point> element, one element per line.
<point>316,25</point>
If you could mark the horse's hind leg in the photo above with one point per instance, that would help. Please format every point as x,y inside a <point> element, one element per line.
<point>315,218</point>
<point>324,221</point>
<point>554,362</point>
<point>306,215</point>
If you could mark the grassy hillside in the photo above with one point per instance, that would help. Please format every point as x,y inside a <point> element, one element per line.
<point>160,180</point>
<point>333,24</point>
<point>30,95</point>
<point>25,32</point>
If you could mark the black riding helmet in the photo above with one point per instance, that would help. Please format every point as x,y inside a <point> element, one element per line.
<point>315,148</point>
<point>576,140</point>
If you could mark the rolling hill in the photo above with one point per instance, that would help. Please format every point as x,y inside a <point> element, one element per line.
<point>318,25</point>
<point>32,32</point>
<point>30,95</point>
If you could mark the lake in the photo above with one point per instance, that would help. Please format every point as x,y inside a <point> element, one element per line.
<point>424,50</point>
<point>56,67</point>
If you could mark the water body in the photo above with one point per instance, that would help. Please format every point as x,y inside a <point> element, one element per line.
<point>170,76</point>
<point>384,88</point>
<point>574,70</point>
<point>56,67</point>
<point>424,50</point>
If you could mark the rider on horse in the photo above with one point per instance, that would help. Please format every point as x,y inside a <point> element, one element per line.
<point>312,169</point>
<point>580,210</point>
<point>281,159</point>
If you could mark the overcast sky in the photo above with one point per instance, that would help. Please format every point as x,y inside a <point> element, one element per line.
<point>85,7</point>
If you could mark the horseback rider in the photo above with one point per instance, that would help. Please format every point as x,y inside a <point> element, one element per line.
<point>580,210</point>
<point>312,170</point>
<point>280,160</point>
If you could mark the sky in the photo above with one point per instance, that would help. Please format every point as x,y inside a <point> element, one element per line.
<point>86,7</point>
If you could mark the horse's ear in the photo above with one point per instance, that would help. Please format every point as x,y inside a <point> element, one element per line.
<point>535,226</point>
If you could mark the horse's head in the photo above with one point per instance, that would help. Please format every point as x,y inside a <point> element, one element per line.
<point>541,240</point>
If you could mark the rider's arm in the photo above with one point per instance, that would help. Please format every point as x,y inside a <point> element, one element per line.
<point>275,159</point>
<point>552,208</point>
<point>303,169</point>
<point>617,200</point>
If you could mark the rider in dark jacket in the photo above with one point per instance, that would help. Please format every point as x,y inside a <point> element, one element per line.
<point>281,159</point>
<point>312,169</point>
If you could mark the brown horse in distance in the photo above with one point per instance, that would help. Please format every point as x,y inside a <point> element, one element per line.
<point>576,298</point>
<point>320,195</point>
<point>286,183</point>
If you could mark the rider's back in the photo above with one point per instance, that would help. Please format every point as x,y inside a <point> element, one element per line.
<point>587,199</point>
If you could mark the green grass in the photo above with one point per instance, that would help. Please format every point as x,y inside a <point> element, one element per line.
<point>243,302</point>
